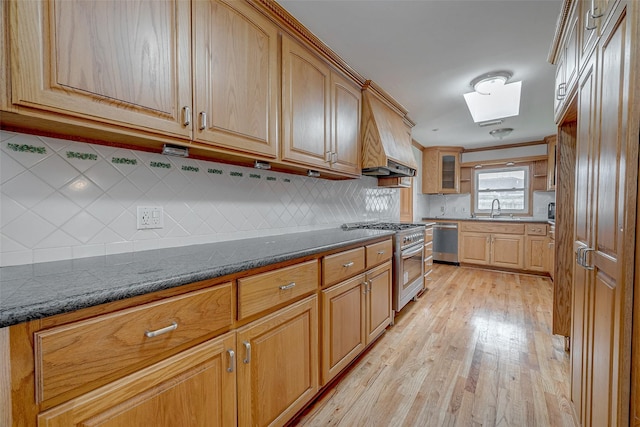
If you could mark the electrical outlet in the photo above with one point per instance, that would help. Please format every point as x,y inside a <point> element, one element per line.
<point>150,217</point>
<point>442,209</point>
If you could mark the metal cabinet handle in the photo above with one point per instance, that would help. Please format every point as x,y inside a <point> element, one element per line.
<point>588,18</point>
<point>584,258</point>
<point>247,352</point>
<point>327,156</point>
<point>203,120</point>
<point>172,327</point>
<point>232,360</point>
<point>593,9</point>
<point>349,264</point>
<point>186,116</point>
<point>334,158</point>
<point>364,287</point>
<point>561,93</point>
<point>289,286</point>
<point>381,252</point>
<point>579,256</point>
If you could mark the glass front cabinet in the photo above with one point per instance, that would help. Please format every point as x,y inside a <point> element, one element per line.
<point>441,170</point>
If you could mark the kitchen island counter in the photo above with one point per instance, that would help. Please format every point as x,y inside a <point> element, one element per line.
<point>523,220</point>
<point>35,291</point>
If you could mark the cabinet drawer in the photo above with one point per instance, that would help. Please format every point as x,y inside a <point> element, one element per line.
<point>342,265</point>
<point>428,249</point>
<point>494,227</point>
<point>378,252</point>
<point>109,346</point>
<point>537,229</point>
<point>428,234</point>
<point>552,232</point>
<point>266,290</point>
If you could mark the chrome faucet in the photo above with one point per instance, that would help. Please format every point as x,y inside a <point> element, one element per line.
<point>493,203</point>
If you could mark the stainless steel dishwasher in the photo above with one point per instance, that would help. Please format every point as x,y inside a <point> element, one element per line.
<point>445,242</point>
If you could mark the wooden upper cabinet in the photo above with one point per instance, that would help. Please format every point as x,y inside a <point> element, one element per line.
<point>320,113</point>
<point>567,65</point>
<point>306,120</point>
<point>235,53</point>
<point>441,170</point>
<point>345,125</point>
<point>118,62</point>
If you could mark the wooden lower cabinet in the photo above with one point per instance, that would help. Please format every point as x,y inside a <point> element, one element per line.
<point>537,249</point>
<point>278,364</point>
<point>196,387</point>
<point>497,250</point>
<point>354,313</point>
<point>507,250</point>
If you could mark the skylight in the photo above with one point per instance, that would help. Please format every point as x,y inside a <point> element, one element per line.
<point>503,102</point>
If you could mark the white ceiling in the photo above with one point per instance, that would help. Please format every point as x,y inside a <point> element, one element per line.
<point>425,53</point>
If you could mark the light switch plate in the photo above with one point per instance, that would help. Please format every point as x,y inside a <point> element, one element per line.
<point>150,217</point>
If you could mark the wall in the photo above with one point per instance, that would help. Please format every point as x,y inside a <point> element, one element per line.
<point>63,200</point>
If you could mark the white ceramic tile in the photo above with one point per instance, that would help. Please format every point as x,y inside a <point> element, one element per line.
<point>52,254</point>
<point>9,245</point>
<point>104,175</point>
<point>16,258</point>
<point>124,225</point>
<point>105,209</point>
<point>81,190</point>
<point>88,251</point>
<point>57,209</point>
<point>200,207</point>
<point>57,239</point>
<point>28,229</point>
<point>80,156</point>
<point>54,171</point>
<point>27,189</point>
<point>10,210</point>
<point>26,157</point>
<point>9,168</point>
<point>83,227</point>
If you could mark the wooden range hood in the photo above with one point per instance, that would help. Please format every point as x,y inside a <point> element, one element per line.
<point>386,136</point>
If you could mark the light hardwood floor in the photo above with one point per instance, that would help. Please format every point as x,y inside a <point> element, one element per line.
<point>475,350</point>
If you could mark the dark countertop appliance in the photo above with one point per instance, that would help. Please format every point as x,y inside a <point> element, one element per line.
<point>551,211</point>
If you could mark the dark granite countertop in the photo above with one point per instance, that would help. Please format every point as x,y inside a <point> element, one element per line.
<point>487,219</point>
<point>34,291</point>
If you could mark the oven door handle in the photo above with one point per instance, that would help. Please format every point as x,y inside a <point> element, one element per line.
<point>406,255</point>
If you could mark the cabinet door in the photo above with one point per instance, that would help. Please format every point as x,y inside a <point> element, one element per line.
<point>305,106</point>
<point>581,280</point>
<point>118,62</point>
<point>345,133</point>
<point>235,55</point>
<point>278,364</point>
<point>537,253</point>
<point>343,325</point>
<point>194,388</point>
<point>475,248</point>
<point>378,301</point>
<point>507,250</point>
<point>449,172</point>
<point>614,214</point>
<point>551,258</point>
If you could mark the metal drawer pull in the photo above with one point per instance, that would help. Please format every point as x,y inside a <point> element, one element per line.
<point>289,286</point>
<point>247,350</point>
<point>232,360</point>
<point>172,327</point>
<point>186,116</point>
<point>203,120</point>
<point>584,258</point>
<point>381,252</point>
<point>349,264</point>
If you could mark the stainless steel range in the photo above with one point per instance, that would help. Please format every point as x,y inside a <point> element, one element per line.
<point>408,254</point>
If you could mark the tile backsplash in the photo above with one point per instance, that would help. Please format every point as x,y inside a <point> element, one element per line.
<point>61,199</point>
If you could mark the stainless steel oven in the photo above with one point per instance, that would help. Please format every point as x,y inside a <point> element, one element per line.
<point>408,259</point>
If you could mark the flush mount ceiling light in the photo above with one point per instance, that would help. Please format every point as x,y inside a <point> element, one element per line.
<point>489,83</point>
<point>500,133</point>
<point>493,97</point>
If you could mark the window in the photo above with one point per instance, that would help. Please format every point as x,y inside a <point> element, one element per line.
<point>509,185</point>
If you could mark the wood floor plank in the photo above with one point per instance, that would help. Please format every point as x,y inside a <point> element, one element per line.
<point>475,350</point>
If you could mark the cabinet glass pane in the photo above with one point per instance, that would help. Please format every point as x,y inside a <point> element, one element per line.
<point>448,172</point>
